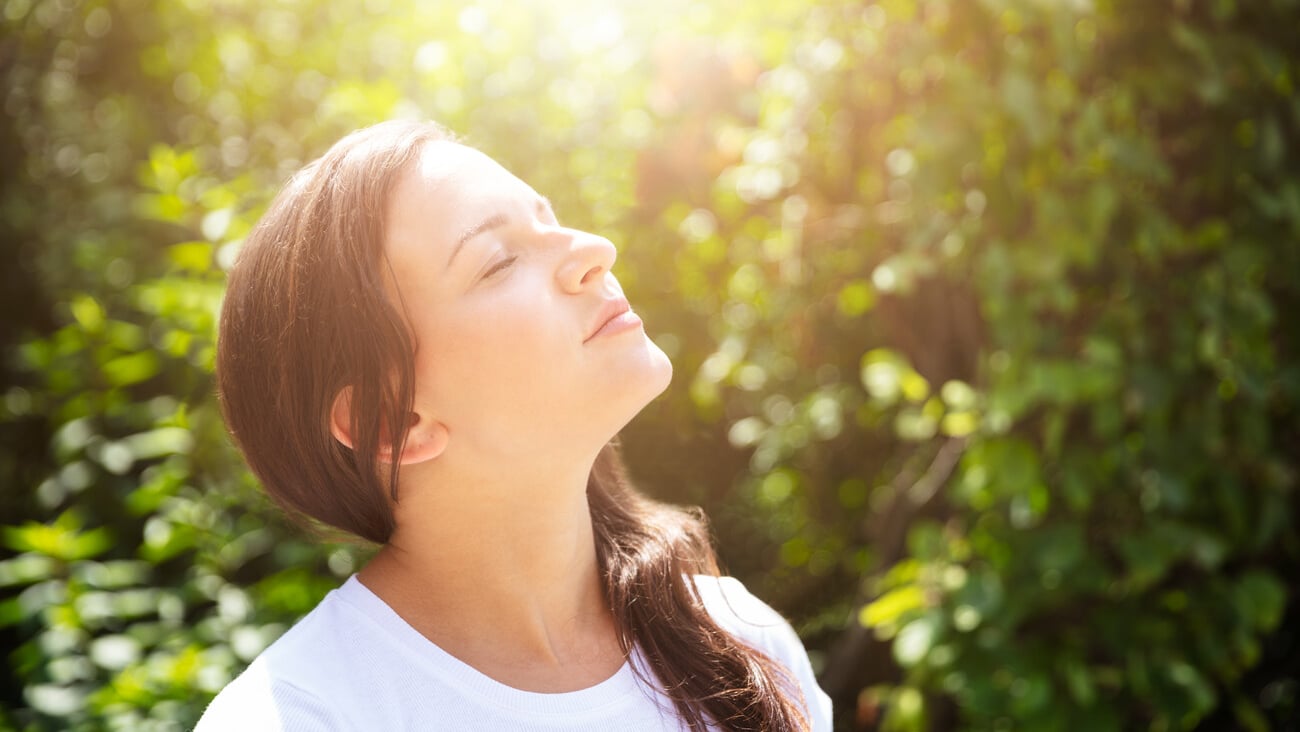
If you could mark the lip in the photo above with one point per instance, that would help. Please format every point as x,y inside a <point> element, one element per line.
<point>615,315</point>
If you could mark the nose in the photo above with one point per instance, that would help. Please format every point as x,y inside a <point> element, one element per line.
<point>585,262</point>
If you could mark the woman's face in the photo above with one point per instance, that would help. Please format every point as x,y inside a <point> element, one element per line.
<point>507,308</point>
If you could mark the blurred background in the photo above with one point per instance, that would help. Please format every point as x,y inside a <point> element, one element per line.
<point>983,316</point>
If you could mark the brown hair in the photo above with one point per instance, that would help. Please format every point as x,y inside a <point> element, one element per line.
<point>306,314</point>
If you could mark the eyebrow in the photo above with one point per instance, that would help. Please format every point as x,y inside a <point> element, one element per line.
<point>496,220</point>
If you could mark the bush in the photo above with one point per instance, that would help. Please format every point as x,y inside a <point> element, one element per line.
<point>979,313</point>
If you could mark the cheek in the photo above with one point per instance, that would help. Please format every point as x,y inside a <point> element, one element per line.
<point>497,359</point>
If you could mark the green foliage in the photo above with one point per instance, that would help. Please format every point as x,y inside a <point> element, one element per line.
<point>979,310</point>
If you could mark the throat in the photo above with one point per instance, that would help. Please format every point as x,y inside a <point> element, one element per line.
<point>502,574</point>
<point>540,636</point>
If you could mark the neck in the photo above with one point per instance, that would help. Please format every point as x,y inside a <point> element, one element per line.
<point>497,568</point>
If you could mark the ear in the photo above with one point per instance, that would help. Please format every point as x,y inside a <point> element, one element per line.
<point>426,438</point>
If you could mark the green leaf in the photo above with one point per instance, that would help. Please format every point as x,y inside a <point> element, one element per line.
<point>26,569</point>
<point>191,256</point>
<point>131,369</point>
<point>158,443</point>
<point>88,313</point>
<point>914,641</point>
<point>1260,598</point>
<point>891,607</point>
<point>856,298</point>
<point>63,539</point>
<point>1078,680</point>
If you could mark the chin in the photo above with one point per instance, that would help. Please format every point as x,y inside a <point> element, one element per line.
<point>661,366</point>
<point>647,378</point>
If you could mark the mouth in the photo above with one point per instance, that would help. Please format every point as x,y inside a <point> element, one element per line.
<point>615,315</point>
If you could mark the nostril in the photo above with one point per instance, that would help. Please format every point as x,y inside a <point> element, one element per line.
<point>590,275</point>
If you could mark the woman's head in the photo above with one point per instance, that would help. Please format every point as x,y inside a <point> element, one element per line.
<point>501,301</point>
<point>406,296</point>
<point>407,301</point>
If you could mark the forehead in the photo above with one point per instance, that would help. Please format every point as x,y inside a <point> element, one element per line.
<point>446,190</point>
<point>449,178</point>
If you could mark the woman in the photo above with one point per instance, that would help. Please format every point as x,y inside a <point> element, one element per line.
<point>413,350</point>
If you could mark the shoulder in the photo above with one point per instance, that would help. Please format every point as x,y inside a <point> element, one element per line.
<point>738,610</point>
<point>744,615</point>
<point>287,685</point>
<point>256,700</point>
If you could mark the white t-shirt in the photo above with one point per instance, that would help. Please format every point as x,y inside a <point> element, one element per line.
<point>352,664</point>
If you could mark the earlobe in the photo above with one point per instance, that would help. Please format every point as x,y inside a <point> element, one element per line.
<point>425,439</point>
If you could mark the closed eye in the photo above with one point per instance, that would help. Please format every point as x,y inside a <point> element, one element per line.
<point>499,266</point>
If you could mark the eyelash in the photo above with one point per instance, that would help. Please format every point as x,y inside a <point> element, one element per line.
<point>499,266</point>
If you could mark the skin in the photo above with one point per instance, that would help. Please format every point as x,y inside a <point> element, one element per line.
<point>493,558</point>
